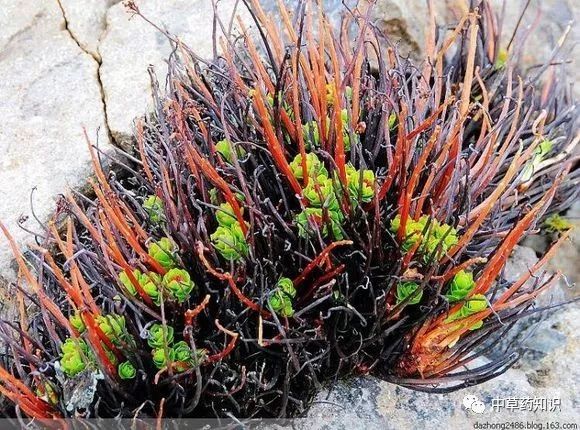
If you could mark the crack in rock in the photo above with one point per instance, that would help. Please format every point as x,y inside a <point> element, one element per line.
<point>97,60</point>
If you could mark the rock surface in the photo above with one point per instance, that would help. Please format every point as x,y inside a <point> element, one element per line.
<point>548,369</point>
<point>130,45</point>
<point>373,404</point>
<point>568,258</point>
<point>406,20</point>
<point>49,91</point>
<point>69,64</point>
<point>86,22</point>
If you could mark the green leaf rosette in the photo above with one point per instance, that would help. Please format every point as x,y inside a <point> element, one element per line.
<point>126,370</point>
<point>179,283</point>
<point>75,356</point>
<point>159,336</point>
<point>163,252</point>
<point>460,286</point>
<point>281,298</point>
<point>406,290</point>
<point>230,242</point>
<point>154,208</point>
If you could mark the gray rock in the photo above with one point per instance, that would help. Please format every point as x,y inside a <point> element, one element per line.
<point>520,262</point>
<point>130,45</point>
<point>568,257</point>
<point>546,369</point>
<point>523,259</point>
<point>548,19</point>
<point>559,368</point>
<point>85,19</point>
<point>13,21</point>
<point>49,91</point>
<point>374,404</point>
<point>534,334</point>
<point>405,22</point>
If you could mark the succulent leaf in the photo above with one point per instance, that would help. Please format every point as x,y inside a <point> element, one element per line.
<point>230,242</point>
<point>74,356</point>
<point>461,286</point>
<point>281,298</point>
<point>76,320</point>
<point>155,209</point>
<point>160,336</point>
<point>126,370</point>
<point>161,357</point>
<point>473,305</point>
<point>179,282</point>
<point>314,166</point>
<point>555,223</point>
<point>408,289</point>
<point>320,193</point>
<point>224,148</point>
<point>113,326</point>
<point>148,281</point>
<point>361,184</point>
<point>225,215</point>
<point>163,252</point>
<point>327,221</point>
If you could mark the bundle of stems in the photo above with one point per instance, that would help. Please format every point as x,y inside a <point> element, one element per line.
<point>307,205</point>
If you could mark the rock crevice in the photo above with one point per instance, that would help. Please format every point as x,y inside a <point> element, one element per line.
<point>95,55</point>
<point>50,91</point>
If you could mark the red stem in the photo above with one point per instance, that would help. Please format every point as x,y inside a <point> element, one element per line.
<point>319,258</point>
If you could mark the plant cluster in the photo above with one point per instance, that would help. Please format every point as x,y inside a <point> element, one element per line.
<point>307,205</point>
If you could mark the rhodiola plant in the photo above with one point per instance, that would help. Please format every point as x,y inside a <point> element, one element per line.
<point>307,205</point>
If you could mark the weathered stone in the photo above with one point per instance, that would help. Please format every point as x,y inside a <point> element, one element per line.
<point>130,45</point>
<point>373,404</point>
<point>520,262</point>
<point>49,91</point>
<point>13,23</point>
<point>560,367</point>
<point>405,22</point>
<point>549,346</point>
<point>85,19</point>
<point>548,19</point>
<point>8,310</point>
<point>568,257</point>
<point>535,334</point>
